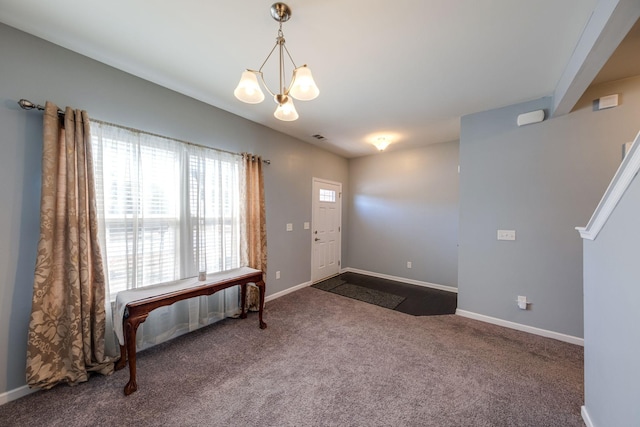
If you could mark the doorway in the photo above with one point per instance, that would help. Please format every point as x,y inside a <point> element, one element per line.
<point>326,227</point>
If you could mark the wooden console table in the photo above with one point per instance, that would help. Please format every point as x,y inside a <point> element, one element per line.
<point>135,305</point>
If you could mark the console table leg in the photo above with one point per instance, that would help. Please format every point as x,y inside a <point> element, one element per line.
<point>261,287</point>
<point>131,325</point>
<point>243,299</point>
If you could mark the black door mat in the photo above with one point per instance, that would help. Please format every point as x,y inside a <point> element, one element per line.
<point>403,297</point>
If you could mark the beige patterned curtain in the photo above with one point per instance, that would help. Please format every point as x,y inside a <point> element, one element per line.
<point>255,225</point>
<point>67,326</point>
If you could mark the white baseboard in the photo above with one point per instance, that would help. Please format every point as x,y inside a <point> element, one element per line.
<point>286,291</point>
<point>585,417</point>
<point>401,279</point>
<point>520,327</point>
<point>16,393</point>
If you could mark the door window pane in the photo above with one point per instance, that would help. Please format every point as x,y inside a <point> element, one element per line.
<point>327,195</point>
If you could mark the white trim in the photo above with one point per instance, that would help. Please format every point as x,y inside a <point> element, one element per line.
<point>16,393</point>
<point>520,327</point>
<point>585,417</point>
<point>621,180</point>
<point>401,279</point>
<point>286,291</point>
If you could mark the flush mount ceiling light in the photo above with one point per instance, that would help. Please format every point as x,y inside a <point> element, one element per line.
<point>302,87</point>
<point>382,142</point>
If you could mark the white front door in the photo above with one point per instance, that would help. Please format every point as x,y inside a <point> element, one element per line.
<point>326,229</point>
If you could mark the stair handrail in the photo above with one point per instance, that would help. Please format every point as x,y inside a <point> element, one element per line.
<point>627,170</point>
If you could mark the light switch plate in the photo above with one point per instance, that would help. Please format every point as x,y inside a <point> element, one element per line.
<point>306,225</point>
<point>289,227</point>
<point>506,234</point>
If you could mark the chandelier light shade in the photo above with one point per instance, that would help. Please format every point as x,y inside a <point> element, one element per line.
<point>304,87</point>
<point>248,89</point>
<point>286,111</point>
<point>301,87</point>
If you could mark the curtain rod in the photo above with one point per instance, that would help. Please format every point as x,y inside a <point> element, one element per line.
<point>28,105</point>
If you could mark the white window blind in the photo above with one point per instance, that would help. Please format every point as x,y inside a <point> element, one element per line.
<point>169,209</point>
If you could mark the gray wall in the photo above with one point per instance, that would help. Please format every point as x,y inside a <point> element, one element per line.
<point>404,207</point>
<point>541,180</point>
<point>611,317</point>
<point>36,70</point>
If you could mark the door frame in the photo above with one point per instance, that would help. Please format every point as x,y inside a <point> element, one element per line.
<point>314,202</point>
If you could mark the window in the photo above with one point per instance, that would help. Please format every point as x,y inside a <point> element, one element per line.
<point>327,195</point>
<point>168,209</point>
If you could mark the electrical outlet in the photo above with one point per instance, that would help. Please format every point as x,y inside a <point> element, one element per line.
<point>522,302</point>
<point>408,264</point>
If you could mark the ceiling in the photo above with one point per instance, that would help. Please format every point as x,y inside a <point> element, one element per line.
<point>408,69</point>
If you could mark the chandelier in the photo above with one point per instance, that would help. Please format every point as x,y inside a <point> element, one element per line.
<point>302,87</point>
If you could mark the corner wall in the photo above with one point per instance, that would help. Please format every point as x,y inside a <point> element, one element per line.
<point>611,317</point>
<point>541,180</point>
<point>404,207</point>
<point>38,71</point>
<point>612,336</point>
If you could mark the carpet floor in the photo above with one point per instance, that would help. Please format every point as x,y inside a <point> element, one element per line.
<point>399,296</point>
<point>326,360</point>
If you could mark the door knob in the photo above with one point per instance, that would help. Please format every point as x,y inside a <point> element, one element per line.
<point>316,239</point>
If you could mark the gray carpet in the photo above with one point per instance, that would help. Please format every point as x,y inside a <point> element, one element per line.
<point>326,360</point>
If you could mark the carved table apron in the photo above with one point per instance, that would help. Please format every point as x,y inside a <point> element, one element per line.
<point>135,311</point>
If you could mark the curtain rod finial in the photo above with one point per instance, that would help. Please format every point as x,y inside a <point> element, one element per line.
<point>27,105</point>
